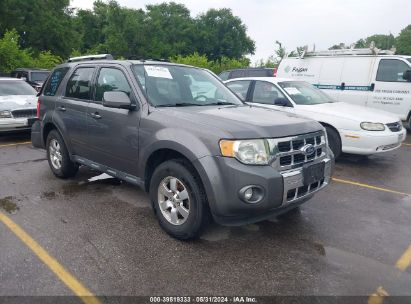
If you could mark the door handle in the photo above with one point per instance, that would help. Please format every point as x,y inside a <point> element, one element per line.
<point>95,115</point>
<point>61,108</point>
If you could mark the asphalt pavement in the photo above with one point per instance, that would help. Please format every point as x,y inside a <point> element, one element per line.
<point>353,238</point>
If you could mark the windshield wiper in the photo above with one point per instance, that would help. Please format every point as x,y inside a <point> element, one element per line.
<point>220,103</point>
<point>180,104</point>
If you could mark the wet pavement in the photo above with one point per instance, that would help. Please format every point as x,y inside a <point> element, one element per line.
<point>345,241</point>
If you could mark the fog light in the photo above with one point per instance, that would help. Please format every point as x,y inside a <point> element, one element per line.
<point>248,194</point>
<point>251,194</point>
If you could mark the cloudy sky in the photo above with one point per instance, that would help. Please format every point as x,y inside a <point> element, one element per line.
<point>301,22</point>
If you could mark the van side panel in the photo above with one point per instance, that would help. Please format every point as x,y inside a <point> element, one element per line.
<point>356,79</point>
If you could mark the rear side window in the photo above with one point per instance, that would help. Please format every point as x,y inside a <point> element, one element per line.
<point>240,88</point>
<point>224,75</point>
<point>111,79</point>
<point>391,70</point>
<point>54,81</point>
<point>79,84</point>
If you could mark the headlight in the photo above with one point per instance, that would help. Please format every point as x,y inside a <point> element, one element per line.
<point>5,114</point>
<point>372,126</point>
<point>247,151</point>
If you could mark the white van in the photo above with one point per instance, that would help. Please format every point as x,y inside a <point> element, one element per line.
<point>368,77</point>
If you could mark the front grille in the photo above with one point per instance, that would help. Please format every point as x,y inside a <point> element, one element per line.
<point>290,154</point>
<point>395,126</point>
<point>299,192</point>
<point>24,113</point>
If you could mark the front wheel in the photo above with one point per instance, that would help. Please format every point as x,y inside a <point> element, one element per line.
<point>179,200</point>
<point>334,141</point>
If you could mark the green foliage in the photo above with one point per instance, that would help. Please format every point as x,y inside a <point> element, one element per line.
<point>219,33</point>
<point>403,41</point>
<point>216,66</point>
<point>384,42</point>
<point>13,56</point>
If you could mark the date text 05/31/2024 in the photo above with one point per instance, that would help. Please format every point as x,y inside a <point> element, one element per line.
<point>203,299</point>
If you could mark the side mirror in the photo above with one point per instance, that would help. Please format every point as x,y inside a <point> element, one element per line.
<point>116,99</point>
<point>23,78</point>
<point>407,75</point>
<point>281,101</point>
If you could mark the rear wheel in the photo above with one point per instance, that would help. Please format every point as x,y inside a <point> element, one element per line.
<point>179,200</point>
<point>58,156</point>
<point>334,141</point>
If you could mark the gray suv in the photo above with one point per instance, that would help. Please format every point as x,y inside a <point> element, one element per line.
<point>180,134</point>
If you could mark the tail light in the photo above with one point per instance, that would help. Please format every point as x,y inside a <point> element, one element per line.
<point>275,72</point>
<point>38,108</point>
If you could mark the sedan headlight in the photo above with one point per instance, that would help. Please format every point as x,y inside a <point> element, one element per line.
<point>5,114</point>
<point>247,151</point>
<point>372,126</point>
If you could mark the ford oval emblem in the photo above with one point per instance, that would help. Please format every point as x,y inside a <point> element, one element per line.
<point>308,149</point>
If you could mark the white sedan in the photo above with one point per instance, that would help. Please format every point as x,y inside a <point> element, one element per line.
<point>18,104</point>
<point>350,128</point>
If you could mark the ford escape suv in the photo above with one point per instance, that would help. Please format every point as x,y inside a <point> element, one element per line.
<point>181,135</point>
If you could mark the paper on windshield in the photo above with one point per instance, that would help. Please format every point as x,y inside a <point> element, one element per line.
<point>157,71</point>
<point>292,91</point>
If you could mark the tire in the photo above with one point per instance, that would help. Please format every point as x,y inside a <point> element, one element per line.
<point>58,156</point>
<point>183,192</point>
<point>334,141</point>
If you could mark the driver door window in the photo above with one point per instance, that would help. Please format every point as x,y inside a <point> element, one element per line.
<point>266,93</point>
<point>391,70</point>
<point>109,80</point>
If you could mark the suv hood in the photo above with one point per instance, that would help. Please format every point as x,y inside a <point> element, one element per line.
<point>243,121</point>
<point>350,112</point>
<point>14,102</point>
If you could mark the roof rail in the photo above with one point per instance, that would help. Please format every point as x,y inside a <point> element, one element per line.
<point>372,50</point>
<point>91,57</point>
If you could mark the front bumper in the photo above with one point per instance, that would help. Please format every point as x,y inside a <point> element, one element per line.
<point>368,142</point>
<point>227,176</point>
<point>15,124</point>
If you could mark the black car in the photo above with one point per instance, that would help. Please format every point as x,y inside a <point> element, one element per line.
<point>34,77</point>
<point>248,72</point>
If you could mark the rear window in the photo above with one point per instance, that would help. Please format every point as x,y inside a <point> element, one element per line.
<point>39,76</point>
<point>18,87</point>
<point>260,73</point>
<point>54,81</point>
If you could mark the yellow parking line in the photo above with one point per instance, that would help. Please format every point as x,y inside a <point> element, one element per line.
<point>16,144</point>
<point>378,296</point>
<point>405,260</point>
<point>368,186</point>
<point>69,280</point>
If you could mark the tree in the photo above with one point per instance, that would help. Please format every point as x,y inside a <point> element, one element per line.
<point>42,24</point>
<point>219,33</point>
<point>13,56</point>
<point>403,41</point>
<point>280,51</point>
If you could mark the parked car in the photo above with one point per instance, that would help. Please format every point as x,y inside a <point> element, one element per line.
<point>248,72</point>
<point>18,104</point>
<point>350,128</point>
<point>34,77</point>
<point>195,153</point>
<point>366,77</point>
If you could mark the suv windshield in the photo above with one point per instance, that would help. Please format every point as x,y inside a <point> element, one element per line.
<point>16,87</point>
<point>303,93</point>
<point>39,76</point>
<point>172,85</point>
